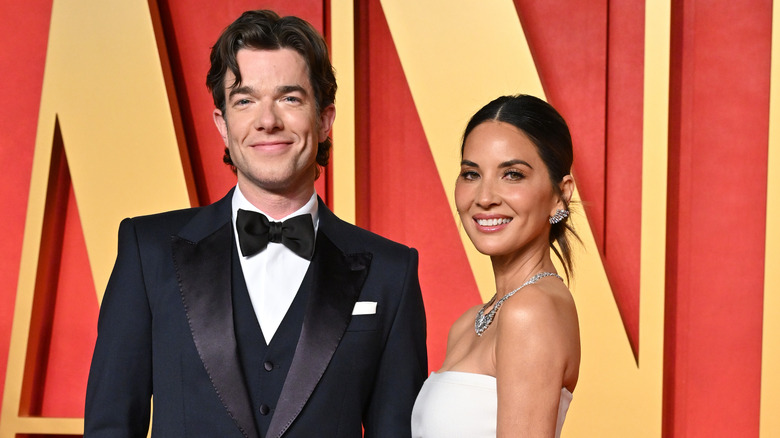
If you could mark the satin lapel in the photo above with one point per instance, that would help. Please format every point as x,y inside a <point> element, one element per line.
<point>338,279</point>
<point>204,272</point>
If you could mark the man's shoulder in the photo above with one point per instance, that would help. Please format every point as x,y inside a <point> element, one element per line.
<point>165,220</point>
<point>191,223</point>
<point>352,238</point>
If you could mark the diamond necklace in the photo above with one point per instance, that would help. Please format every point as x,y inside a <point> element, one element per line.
<point>482,321</point>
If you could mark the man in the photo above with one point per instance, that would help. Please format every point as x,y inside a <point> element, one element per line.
<point>233,321</point>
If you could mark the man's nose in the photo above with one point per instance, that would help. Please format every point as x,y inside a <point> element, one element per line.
<point>267,118</point>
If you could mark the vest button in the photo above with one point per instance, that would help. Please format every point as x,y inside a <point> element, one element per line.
<point>264,409</point>
<point>268,365</point>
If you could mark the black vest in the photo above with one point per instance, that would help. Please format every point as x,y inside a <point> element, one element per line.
<point>265,367</point>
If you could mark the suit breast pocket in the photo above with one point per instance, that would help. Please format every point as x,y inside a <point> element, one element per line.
<point>362,323</point>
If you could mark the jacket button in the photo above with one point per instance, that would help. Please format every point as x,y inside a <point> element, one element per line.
<point>268,365</point>
<point>264,409</point>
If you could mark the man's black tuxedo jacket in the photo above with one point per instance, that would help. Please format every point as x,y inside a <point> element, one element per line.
<point>166,329</point>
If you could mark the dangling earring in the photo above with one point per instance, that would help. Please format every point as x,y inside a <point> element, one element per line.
<point>559,216</point>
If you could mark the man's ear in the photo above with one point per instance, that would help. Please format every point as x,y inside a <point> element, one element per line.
<point>327,116</point>
<point>219,120</point>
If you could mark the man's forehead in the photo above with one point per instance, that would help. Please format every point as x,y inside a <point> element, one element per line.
<point>244,56</point>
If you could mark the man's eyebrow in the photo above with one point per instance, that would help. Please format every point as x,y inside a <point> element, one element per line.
<point>284,89</point>
<point>243,89</point>
<point>515,162</point>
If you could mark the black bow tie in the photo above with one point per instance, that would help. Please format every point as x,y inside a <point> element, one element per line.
<point>255,231</point>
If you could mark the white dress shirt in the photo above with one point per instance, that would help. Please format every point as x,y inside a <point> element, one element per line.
<point>274,275</point>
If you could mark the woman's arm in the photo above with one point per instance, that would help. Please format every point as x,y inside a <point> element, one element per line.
<point>536,354</point>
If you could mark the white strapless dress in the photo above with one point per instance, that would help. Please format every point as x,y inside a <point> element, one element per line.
<point>455,404</point>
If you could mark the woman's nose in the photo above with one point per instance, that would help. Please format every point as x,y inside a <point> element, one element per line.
<point>486,195</point>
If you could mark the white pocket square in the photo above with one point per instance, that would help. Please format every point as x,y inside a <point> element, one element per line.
<point>364,308</point>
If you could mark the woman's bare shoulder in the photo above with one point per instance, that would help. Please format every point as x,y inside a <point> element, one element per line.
<point>539,329</point>
<point>538,305</point>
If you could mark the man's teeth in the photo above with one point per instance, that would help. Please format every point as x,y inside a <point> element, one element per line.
<point>492,222</point>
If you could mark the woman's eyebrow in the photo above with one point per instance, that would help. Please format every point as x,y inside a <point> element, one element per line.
<point>515,162</point>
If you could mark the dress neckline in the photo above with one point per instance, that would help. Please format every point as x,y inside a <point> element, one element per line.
<point>485,378</point>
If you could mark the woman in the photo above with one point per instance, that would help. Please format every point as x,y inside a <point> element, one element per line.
<point>512,364</point>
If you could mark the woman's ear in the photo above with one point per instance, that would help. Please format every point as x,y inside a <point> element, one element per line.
<point>567,190</point>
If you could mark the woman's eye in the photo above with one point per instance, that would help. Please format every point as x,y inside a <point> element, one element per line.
<point>469,175</point>
<point>514,175</point>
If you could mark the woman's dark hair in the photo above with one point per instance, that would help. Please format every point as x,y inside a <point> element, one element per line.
<point>547,130</point>
<point>265,30</point>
